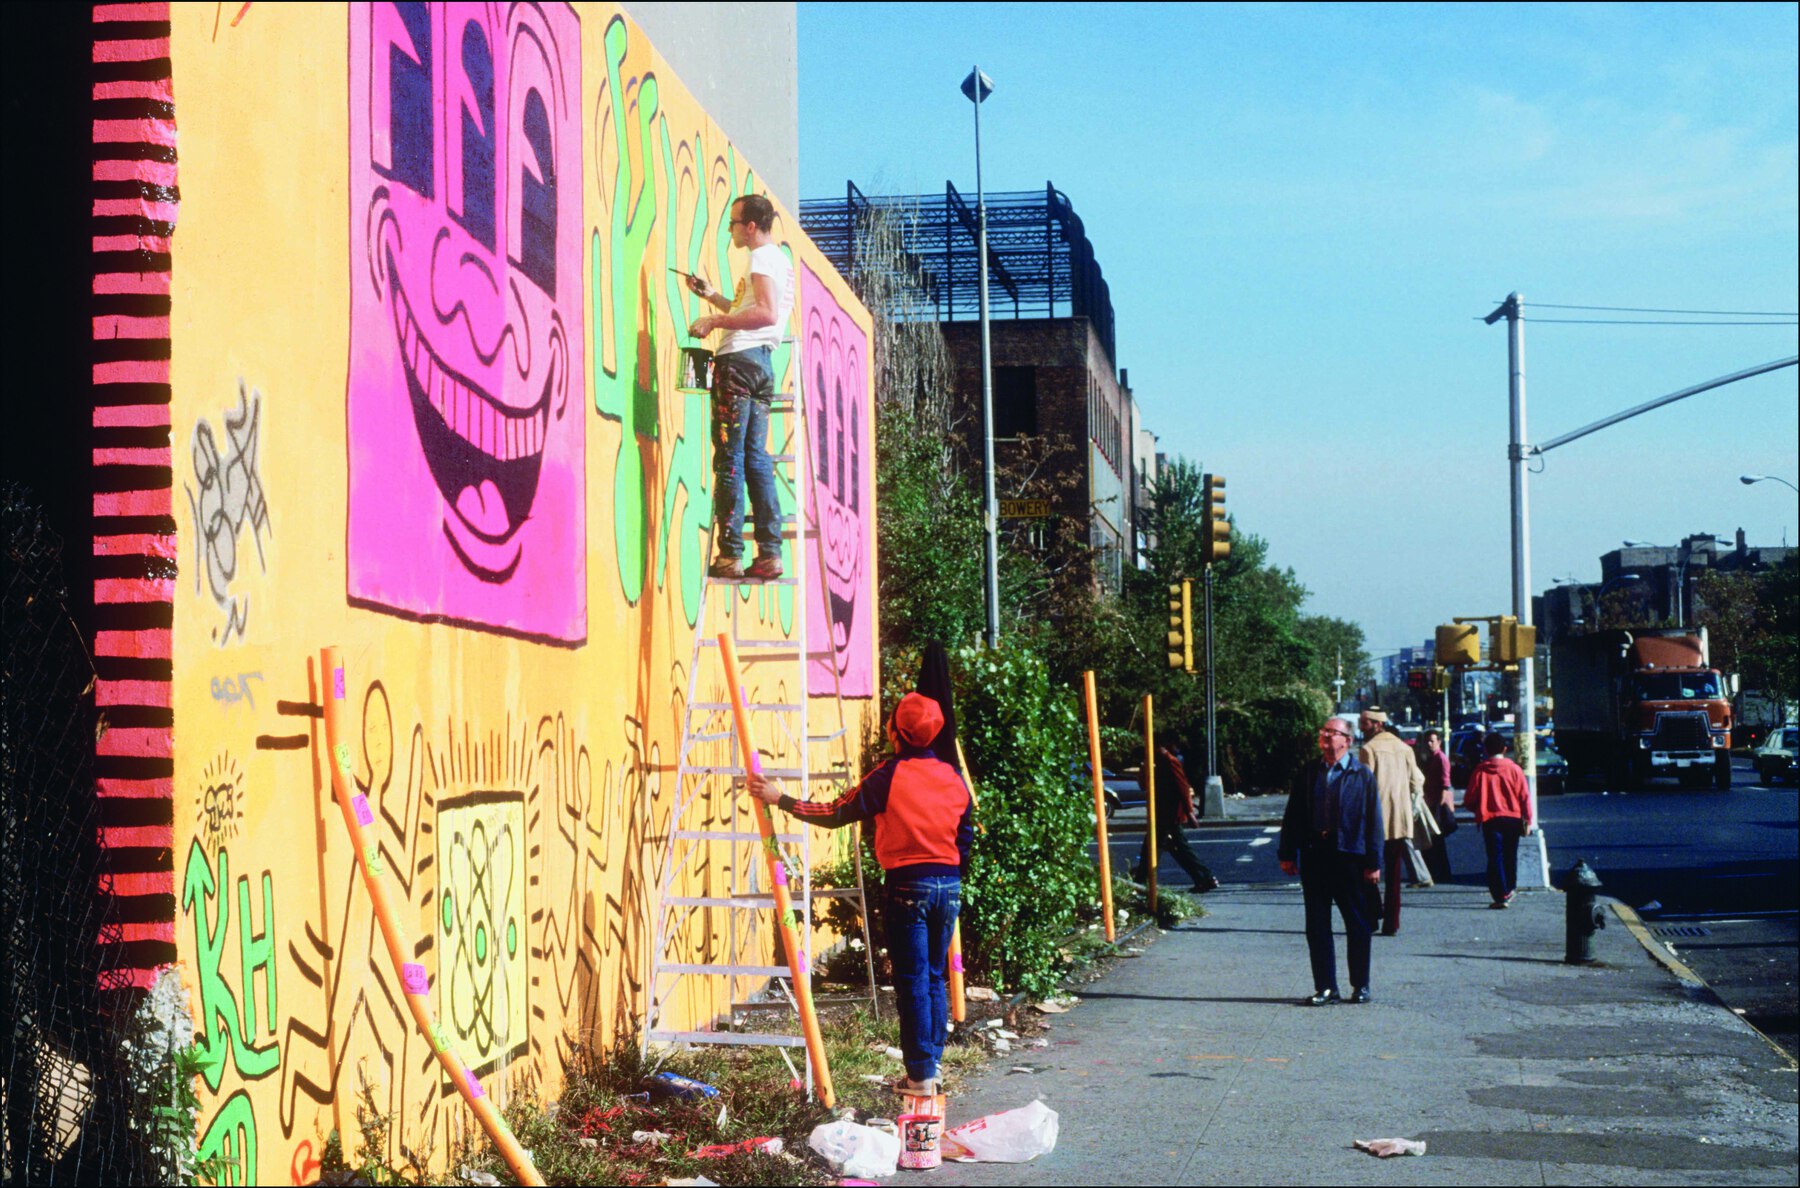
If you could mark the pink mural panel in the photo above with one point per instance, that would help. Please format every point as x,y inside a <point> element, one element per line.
<point>466,463</point>
<point>835,361</point>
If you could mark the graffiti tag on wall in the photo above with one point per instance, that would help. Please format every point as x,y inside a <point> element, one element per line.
<point>225,497</point>
<point>467,479</point>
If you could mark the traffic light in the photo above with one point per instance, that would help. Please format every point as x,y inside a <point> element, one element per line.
<point>1458,643</point>
<point>1181,625</point>
<point>1514,641</point>
<point>1212,513</point>
<point>1418,679</point>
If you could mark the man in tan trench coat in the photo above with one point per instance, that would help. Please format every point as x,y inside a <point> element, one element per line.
<point>1398,778</point>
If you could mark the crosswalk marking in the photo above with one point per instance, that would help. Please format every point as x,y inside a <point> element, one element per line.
<point>1261,841</point>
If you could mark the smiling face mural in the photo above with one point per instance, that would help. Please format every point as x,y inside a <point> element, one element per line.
<point>835,354</point>
<point>466,454</point>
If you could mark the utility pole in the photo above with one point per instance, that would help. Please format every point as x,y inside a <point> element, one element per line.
<point>1524,692</point>
<point>1212,719</point>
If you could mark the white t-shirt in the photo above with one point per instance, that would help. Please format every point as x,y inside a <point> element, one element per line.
<point>770,261</point>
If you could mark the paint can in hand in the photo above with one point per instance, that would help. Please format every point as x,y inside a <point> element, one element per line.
<point>696,369</point>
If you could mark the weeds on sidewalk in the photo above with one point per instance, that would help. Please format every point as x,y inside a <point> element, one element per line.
<point>591,1134</point>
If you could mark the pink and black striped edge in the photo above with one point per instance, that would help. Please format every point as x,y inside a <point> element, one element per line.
<point>134,206</point>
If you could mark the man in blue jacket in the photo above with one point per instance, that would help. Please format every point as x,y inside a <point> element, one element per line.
<point>1332,837</point>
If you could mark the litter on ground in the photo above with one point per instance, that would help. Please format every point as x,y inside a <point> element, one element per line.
<point>1012,1136</point>
<point>1388,1147</point>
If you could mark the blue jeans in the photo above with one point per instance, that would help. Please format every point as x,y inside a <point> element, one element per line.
<point>920,915</point>
<point>743,385</point>
<point>1501,834</point>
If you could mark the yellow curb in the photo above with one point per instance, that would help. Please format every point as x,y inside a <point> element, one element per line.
<point>1661,952</point>
<point>1676,966</point>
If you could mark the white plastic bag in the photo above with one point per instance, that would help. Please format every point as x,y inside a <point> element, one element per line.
<point>1014,1136</point>
<point>854,1151</point>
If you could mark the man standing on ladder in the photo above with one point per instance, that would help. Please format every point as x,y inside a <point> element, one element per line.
<point>924,823</point>
<point>743,385</point>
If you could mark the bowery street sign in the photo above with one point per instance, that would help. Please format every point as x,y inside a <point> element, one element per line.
<point>1024,509</point>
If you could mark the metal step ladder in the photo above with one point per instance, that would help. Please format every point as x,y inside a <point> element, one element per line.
<point>714,917</point>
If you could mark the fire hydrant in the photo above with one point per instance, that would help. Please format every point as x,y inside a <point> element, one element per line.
<point>1581,915</point>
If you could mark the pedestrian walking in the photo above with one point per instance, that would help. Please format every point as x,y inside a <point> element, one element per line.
<point>1440,800</point>
<point>1331,836</point>
<point>743,385</point>
<point>923,819</point>
<point>1174,812</point>
<point>1501,802</point>
<point>1398,778</point>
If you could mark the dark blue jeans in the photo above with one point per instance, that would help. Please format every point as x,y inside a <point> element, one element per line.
<point>743,385</point>
<point>920,914</point>
<point>1502,837</point>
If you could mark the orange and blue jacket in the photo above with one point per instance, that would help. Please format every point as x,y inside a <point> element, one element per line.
<point>921,808</point>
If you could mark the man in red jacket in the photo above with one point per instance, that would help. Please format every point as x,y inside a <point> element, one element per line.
<point>924,822</point>
<point>1501,801</point>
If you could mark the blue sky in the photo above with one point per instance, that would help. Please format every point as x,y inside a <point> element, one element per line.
<point>1303,212</point>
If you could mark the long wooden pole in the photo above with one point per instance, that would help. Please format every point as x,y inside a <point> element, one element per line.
<point>414,981</point>
<point>1093,723</point>
<point>1151,842</point>
<point>959,1001</point>
<point>786,919</point>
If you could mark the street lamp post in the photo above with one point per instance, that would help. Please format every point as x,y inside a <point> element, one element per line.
<point>1747,479</point>
<point>978,87</point>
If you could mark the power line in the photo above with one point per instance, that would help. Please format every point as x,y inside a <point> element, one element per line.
<point>1641,322</point>
<point>1727,313</point>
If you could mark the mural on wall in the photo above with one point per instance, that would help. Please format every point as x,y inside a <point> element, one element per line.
<point>835,351</point>
<point>467,457</point>
<point>519,181</point>
<point>481,924</point>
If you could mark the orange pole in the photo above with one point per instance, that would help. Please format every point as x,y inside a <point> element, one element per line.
<point>959,1002</point>
<point>1093,719</point>
<point>413,980</point>
<point>786,919</point>
<point>1150,804</point>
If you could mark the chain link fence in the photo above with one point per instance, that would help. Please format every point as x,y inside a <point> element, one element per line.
<point>66,1098</point>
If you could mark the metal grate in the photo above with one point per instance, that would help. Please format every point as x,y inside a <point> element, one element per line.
<point>1688,931</point>
<point>1682,732</point>
<point>1040,261</point>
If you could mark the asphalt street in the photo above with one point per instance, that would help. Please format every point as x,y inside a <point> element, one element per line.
<point>1715,875</point>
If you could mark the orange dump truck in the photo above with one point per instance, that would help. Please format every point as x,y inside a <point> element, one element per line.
<point>1640,703</point>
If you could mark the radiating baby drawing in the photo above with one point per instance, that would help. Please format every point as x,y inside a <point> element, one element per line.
<point>466,454</point>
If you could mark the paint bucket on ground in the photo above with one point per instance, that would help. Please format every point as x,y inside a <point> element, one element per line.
<point>696,369</point>
<point>884,1125</point>
<point>919,1135</point>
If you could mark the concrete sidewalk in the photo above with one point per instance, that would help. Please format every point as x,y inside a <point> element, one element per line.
<point>1193,1063</point>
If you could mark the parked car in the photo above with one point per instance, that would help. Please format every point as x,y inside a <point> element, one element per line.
<point>1466,753</point>
<point>1121,791</point>
<point>1552,771</point>
<point>1776,758</point>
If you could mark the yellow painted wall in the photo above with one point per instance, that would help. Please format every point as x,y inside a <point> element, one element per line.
<point>519,756</point>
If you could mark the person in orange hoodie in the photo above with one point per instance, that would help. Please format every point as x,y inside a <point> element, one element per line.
<point>923,817</point>
<point>1501,801</point>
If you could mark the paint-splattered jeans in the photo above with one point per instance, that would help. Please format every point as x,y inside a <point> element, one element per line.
<point>743,385</point>
<point>920,915</point>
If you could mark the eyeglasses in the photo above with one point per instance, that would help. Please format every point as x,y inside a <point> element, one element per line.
<point>1329,733</point>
